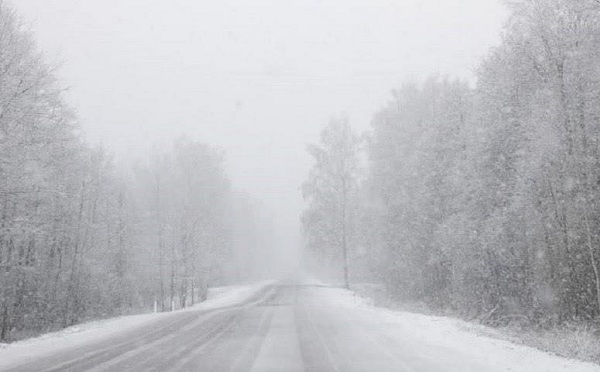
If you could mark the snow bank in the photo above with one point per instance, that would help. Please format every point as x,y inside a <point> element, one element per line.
<point>456,337</point>
<point>86,333</point>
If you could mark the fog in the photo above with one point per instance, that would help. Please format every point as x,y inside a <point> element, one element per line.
<point>257,78</point>
<point>316,185</point>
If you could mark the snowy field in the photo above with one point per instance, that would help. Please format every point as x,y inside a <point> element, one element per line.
<point>91,332</point>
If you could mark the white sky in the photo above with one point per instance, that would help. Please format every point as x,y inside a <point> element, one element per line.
<point>258,78</point>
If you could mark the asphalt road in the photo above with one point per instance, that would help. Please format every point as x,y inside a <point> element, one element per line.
<point>285,328</point>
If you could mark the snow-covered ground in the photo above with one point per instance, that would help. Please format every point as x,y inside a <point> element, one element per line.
<point>460,340</point>
<point>86,333</point>
<point>310,326</point>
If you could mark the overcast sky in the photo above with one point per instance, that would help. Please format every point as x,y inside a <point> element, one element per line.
<point>258,78</point>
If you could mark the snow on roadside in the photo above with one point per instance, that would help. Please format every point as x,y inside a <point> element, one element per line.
<point>86,333</point>
<point>229,295</point>
<point>464,339</point>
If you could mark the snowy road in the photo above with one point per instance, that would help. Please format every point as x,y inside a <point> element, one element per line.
<point>288,327</point>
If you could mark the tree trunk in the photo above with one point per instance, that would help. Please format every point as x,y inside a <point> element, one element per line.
<point>160,245</point>
<point>593,260</point>
<point>344,238</point>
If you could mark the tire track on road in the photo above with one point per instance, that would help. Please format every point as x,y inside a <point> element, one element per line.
<point>94,355</point>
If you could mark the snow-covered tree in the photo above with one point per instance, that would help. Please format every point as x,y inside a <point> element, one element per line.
<point>329,221</point>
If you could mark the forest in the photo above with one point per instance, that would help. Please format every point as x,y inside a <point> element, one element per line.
<point>477,198</point>
<point>83,236</point>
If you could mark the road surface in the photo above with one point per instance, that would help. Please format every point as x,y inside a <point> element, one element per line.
<point>285,327</point>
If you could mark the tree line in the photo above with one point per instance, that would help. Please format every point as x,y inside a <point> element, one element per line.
<point>79,238</point>
<point>479,199</point>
